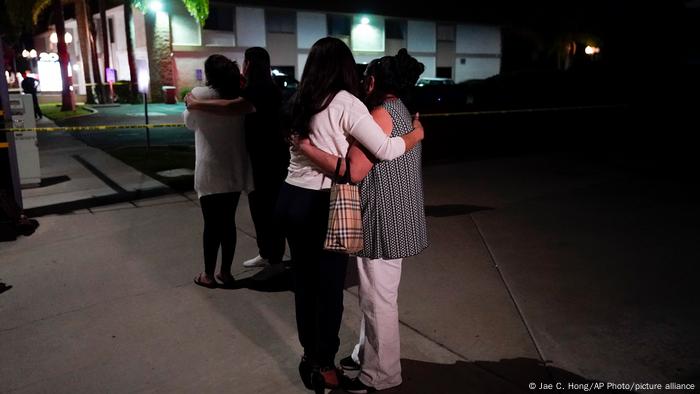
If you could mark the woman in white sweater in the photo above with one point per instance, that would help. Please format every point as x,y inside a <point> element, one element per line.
<point>222,169</point>
<point>326,111</point>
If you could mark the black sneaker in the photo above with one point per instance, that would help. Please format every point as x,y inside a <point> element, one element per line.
<point>356,386</point>
<point>349,364</point>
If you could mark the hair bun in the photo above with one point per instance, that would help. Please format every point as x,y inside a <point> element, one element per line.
<point>410,67</point>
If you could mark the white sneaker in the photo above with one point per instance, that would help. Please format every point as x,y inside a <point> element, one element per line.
<point>256,261</point>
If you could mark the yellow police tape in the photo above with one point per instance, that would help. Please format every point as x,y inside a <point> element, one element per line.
<point>93,128</point>
<point>428,115</point>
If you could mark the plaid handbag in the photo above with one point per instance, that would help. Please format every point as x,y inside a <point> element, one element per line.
<point>344,216</point>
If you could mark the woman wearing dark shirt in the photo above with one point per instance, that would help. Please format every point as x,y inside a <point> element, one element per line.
<point>268,151</point>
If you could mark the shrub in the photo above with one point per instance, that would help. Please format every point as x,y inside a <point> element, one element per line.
<point>184,92</point>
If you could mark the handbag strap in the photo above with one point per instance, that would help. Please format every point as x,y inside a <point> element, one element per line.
<point>346,177</point>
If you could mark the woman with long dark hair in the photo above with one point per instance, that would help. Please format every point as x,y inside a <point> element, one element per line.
<point>261,101</point>
<point>222,169</point>
<point>393,218</point>
<point>327,112</point>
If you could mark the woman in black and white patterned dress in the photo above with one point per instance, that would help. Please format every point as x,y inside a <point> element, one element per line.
<point>393,218</point>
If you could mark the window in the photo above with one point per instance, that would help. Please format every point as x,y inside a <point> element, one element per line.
<point>395,28</point>
<point>339,25</point>
<point>221,17</point>
<point>446,33</point>
<point>281,21</point>
<point>443,72</point>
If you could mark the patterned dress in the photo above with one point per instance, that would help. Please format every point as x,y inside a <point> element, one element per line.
<point>393,212</point>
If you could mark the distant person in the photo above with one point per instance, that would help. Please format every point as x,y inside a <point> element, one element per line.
<point>30,86</point>
<point>222,169</point>
<point>393,220</point>
<point>268,150</point>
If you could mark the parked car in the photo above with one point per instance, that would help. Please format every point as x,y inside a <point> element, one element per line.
<point>434,81</point>
<point>287,83</point>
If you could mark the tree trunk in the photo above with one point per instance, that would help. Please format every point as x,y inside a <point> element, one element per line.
<point>95,63</point>
<point>160,61</point>
<point>81,16</point>
<point>129,25</point>
<point>67,96</point>
<point>105,45</point>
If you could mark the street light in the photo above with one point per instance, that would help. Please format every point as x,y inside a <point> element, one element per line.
<point>144,79</point>
<point>53,37</point>
<point>31,58</point>
<point>155,6</point>
<point>591,50</point>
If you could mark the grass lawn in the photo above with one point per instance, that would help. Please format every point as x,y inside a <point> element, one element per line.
<point>53,111</point>
<point>160,158</point>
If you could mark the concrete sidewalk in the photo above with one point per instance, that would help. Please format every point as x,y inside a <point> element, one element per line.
<point>578,263</point>
<point>75,175</point>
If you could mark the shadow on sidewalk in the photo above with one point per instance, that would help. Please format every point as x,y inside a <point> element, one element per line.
<point>279,277</point>
<point>502,377</point>
<point>4,287</point>
<point>271,279</point>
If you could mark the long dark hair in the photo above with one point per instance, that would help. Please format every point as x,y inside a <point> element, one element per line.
<point>223,76</point>
<point>392,75</point>
<point>329,69</point>
<point>257,71</point>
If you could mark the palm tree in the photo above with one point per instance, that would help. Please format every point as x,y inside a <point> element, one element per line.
<point>129,26</point>
<point>81,17</point>
<point>105,45</point>
<point>159,42</point>
<point>67,95</point>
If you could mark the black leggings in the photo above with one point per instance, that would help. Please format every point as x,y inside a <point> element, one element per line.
<point>319,275</point>
<point>219,212</point>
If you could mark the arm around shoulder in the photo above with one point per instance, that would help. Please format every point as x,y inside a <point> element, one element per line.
<point>237,106</point>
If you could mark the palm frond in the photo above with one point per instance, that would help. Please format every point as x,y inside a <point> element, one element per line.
<point>199,9</point>
<point>39,7</point>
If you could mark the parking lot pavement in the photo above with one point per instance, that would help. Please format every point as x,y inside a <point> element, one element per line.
<point>549,268</point>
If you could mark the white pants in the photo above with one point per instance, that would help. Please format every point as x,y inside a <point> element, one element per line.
<point>379,348</point>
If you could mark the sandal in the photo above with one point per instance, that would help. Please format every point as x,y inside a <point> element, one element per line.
<point>210,284</point>
<point>226,283</point>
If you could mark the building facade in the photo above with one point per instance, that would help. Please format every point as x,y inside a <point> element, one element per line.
<point>459,51</point>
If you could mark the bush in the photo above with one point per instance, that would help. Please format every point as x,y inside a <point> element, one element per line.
<point>184,92</point>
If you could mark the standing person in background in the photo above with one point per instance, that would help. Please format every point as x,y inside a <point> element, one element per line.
<point>327,112</point>
<point>261,99</point>
<point>30,86</point>
<point>393,220</point>
<point>222,169</point>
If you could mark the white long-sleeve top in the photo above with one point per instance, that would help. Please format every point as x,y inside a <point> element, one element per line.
<point>221,164</point>
<point>345,116</point>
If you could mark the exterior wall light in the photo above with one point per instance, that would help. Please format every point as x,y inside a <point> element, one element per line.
<point>155,6</point>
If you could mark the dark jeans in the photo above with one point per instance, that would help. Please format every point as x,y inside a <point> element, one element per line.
<point>269,234</point>
<point>37,108</point>
<point>319,275</point>
<point>268,176</point>
<point>219,212</point>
